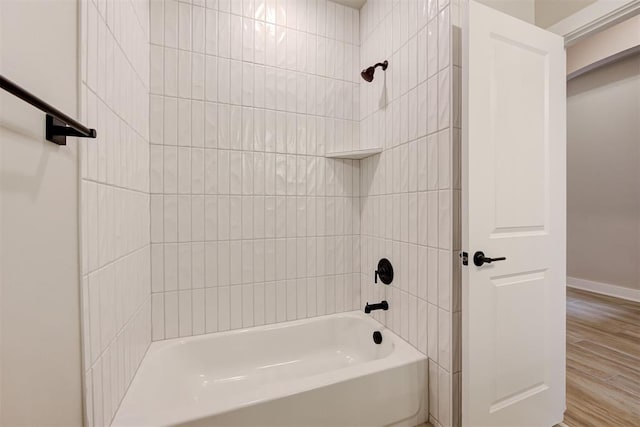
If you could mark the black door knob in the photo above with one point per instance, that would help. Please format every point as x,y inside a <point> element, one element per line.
<point>479,259</point>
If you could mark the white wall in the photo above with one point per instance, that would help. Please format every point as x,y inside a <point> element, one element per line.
<point>409,192</point>
<point>40,371</point>
<point>251,224</point>
<point>115,252</point>
<point>549,12</point>
<point>603,182</point>
<point>542,13</point>
<point>522,9</point>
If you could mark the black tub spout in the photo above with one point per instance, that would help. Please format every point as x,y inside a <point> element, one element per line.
<point>380,306</point>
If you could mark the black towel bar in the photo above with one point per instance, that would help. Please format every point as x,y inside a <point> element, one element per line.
<point>58,124</point>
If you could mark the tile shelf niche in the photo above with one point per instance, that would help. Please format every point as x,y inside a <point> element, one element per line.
<point>354,154</point>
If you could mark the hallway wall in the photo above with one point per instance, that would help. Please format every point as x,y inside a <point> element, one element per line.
<point>603,178</point>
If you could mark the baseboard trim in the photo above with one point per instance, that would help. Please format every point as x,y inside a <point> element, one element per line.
<point>604,289</point>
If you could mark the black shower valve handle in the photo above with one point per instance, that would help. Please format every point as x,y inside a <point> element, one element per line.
<point>375,276</point>
<point>384,271</point>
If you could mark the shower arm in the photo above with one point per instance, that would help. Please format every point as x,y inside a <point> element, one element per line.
<point>384,65</point>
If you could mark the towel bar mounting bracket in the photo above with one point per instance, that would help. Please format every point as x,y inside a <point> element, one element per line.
<point>57,131</point>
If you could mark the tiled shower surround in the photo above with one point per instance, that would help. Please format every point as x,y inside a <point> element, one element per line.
<point>217,208</point>
<point>250,223</point>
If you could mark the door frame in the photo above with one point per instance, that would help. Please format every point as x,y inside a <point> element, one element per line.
<point>592,19</point>
<point>596,17</point>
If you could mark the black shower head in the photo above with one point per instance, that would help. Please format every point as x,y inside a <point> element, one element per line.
<point>368,73</point>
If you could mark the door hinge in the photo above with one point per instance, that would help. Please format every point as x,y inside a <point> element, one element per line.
<point>465,258</point>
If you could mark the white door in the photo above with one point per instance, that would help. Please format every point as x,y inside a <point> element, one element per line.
<point>513,207</point>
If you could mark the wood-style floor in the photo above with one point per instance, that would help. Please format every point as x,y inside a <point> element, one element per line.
<point>603,361</point>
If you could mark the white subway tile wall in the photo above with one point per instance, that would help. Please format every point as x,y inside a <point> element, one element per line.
<point>410,192</point>
<point>114,200</point>
<point>250,224</point>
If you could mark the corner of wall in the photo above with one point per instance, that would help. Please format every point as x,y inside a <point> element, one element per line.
<point>114,185</point>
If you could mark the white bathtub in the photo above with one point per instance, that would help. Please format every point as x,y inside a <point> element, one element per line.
<point>325,371</point>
